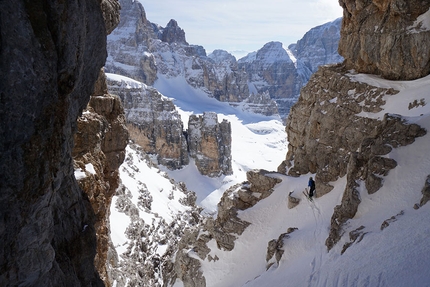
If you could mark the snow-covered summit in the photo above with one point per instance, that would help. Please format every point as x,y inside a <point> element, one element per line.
<point>152,54</point>
<point>222,56</point>
<point>272,52</point>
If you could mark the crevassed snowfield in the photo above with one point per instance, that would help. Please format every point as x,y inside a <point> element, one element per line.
<point>395,256</point>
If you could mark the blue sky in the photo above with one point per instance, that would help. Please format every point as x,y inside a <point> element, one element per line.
<point>242,25</point>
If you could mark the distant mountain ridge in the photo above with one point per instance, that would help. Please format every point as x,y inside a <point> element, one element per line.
<point>145,51</point>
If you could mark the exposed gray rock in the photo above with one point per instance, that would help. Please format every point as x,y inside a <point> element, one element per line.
<point>276,247</point>
<point>154,123</point>
<point>387,222</point>
<point>370,168</point>
<point>50,58</point>
<point>110,9</point>
<point>271,70</point>
<point>100,140</point>
<point>354,236</point>
<point>292,201</point>
<point>209,143</point>
<point>350,201</point>
<point>186,266</point>
<point>321,140</point>
<point>319,46</point>
<point>144,263</point>
<point>385,38</point>
<point>261,181</point>
<point>173,33</point>
<point>132,41</point>
<point>267,81</point>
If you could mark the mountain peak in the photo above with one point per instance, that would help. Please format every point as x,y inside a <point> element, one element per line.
<point>273,52</point>
<point>222,55</point>
<point>173,33</point>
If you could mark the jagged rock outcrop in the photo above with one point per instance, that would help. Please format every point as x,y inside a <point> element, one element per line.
<point>154,123</point>
<point>224,229</point>
<point>110,9</point>
<point>385,37</point>
<point>392,219</point>
<point>99,150</point>
<point>146,256</point>
<point>173,33</point>
<point>267,81</point>
<point>50,58</point>
<point>292,201</point>
<point>355,236</point>
<point>275,248</point>
<point>239,197</point>
<point>321,141</point>
<point>316,120</point>
<point>328,129</point>
<point>209,144</point>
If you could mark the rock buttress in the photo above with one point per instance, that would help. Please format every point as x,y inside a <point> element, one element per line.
<point>50,57</point>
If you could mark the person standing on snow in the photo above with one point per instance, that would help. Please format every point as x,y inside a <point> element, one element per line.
<point>311,185</point>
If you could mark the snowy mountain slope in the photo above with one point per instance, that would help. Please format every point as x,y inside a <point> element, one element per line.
<point>394,256</point>
<point>147,218</point>
<point>263,137</point>
<point>258,142</point>
<point>390,247</point>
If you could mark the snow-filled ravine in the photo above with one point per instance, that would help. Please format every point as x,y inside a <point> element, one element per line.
<point>397,255</point>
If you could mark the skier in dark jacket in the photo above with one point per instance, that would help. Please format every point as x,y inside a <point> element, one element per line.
<point>311,185</point>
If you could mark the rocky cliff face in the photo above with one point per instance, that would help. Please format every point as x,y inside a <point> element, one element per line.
<point>318,46</point>
<point>173,33</point>
<point>385,38</point>
<point>328,129</point>
<point>154,123</point>
<point>273,70</point>
<point>51,55</point>
<point>209,143</point>
<point>99,150</point>
<point>322,142</point>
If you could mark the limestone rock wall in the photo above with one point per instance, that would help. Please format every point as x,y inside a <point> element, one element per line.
<point>270,70</point>
<point>209,143</point>
<point>98,152</point>
<point>319,46</point>
<point>154,123</point>
<point>327,135</point>
<point>50,58</point>
<point>385,37</point>
<point>329,138</point>
<point>324,129</point>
